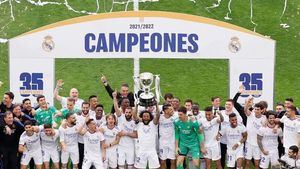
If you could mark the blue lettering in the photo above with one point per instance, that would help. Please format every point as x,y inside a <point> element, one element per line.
<point>132,40</point>
<point>144,42</point>
<point>169,42</point>
<point>181,42</point>
<point>192,38</point>
<point>87,38</point>
<point>156,39</point>
<point>117,45</point>
<point>102,45</point>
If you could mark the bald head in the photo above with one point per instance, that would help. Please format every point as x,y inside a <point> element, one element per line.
<point>74,93</point>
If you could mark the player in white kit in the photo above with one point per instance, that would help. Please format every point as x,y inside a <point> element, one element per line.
<point>94,151</point>
<point>210,125</point>
<point>267,140</point>
<point>147,133</point>
<point>111,142</point>
<point>69,141</point>
<point>255,120</point>
<point>30,146</point>
<point>49,139</point>
<point>127,133</point>
<point>167,136</point>
<point>236,135</point>
<point>99,116</point>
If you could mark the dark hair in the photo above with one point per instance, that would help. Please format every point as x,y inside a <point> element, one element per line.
<point>214,98</point>
<point>25,100</point>
<point>92,96</point>
<point>182,109</point>
<point>196,104</point>
<point>27,122</point>
<point>17,105</point>
<point>99,105</point>
<point>264,103</point>
<point>68,115</point>
<point>168,95</point>
<point>230,100</point>
<point>293,108</point>
<point>146,111</point>
<point>280,104</point>
<point>294,149</point>
<point>39,97</point>
<point>112,115</point>
<point>85,103</point>
<point>124,98</point>
<point>47,126</point>
<point>188,100</point>
<point>7,113</point>
<point>270,112</point>
<point>89,121</point>
<point>290,99</point>
<point>166,106</point>
<point>70,99</point>
<point>232,115</point>
<point>124,85</point>
<point>10,95</point>
<point>259,105</point>
<point>209,108</point>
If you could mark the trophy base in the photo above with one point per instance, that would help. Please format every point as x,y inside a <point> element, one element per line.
<point>147,100</point>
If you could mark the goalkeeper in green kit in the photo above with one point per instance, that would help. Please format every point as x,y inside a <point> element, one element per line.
<point>188,138</point>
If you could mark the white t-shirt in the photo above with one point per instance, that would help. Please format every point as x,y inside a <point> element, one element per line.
<point>226,123</point>
<point>290,131</point>
<point>100,122</point>
<point>32,143</point>
<point>270,139</point>
<point>49,143</point>
<point>77,105</point>
<point>233,135</point>
<point>128,127</point>
<point>69,136</point>
<point>290,161</point>
<point>147,135</point>
<point>166,130</point>
<point>211,130</point>
<point>253,125</point>
<point>110,136</point>
<point>80,120</point>
<point>92,147</point>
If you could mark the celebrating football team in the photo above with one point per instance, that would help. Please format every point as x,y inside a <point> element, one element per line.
<point>167,135</point>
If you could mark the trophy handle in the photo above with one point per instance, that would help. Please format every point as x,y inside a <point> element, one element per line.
<point>157,88</point>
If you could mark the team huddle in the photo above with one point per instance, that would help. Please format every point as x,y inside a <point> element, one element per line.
<point>170,135</point>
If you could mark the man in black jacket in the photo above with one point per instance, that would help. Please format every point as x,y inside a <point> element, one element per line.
<point>124,93</point>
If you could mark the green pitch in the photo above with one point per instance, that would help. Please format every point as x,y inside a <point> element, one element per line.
<point>195,79</point>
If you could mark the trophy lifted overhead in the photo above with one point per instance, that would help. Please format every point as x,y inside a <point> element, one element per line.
<point>144,96</point>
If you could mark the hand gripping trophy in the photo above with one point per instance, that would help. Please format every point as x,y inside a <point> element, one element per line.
<point>144,96</point>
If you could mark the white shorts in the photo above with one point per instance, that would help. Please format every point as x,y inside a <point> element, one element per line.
<point>213,153</point>
<point>88,162</point>
<point>252,152</point>
<point>71,152</point>
<point>167,152</point>
<point>111,158</point>
<point>144,157</point>
<point>125,155</point>
<point>50,154</point>
<point>36,155</point>
<point>266,159</point>
<point>233,156</point>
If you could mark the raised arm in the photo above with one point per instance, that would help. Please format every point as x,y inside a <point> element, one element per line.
<point>135,115</point>
<point>116,106</point>
<point>59,84</point>
<point>156,115</point>
<point>248,105</point>
<point>108,89</point>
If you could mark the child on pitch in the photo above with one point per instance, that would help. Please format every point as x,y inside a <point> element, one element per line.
<point>210,125</point>
<point>112,139</point>
<point>30,146</point>
<point>236,135</point>
<point>292,158</point>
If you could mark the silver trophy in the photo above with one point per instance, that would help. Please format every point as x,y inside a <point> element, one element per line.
<point>144,96</point>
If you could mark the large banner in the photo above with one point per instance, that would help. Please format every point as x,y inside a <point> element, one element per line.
<point>143,35</point>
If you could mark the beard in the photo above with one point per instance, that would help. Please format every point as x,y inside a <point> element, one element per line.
<point>73,123</point>
<point>146,122</point>
<point>128,118</point>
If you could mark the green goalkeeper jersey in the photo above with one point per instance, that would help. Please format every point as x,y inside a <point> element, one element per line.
<point>187,133</point>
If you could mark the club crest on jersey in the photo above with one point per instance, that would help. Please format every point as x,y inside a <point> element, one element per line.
<point>48,44</point>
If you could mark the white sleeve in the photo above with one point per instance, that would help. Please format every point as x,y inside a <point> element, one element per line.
<point>282,120</point>
<point>22,139</point>
<point>280,134</point>
<point>261,131</point>
<point>61,134</point>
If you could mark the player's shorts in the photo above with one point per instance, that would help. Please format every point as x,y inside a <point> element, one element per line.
<point>233,156</point>
<point>167,152</point>
<point>125,155</point>
<point>252,152</point>
<point>266,159</point>
<point>213,153</point>
<point>36,155</point>
<point>144,157</point>
<point>194,150</point>
<point>50,154</point>
<point>111,158</point>
<point>96,162</point>
<point>71,152</point>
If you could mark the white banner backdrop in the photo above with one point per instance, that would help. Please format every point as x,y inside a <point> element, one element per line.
<point>147,34</point>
